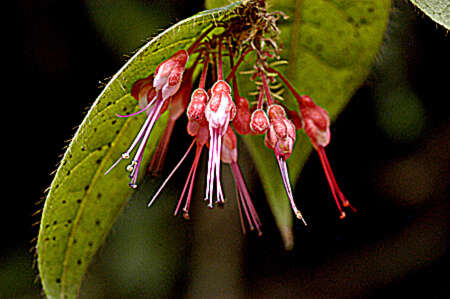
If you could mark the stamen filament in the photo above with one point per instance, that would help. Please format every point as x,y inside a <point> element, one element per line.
<point>287,186</point>
<point>189,196</point>
<point>171,174</point>
<point>330,181</point>
<point>140,111</point>
<point>136,140</point>
<point>138,156</point>
<point>244,200</point>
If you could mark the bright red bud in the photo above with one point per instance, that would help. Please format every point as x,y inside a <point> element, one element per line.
<point>197,106</point>
<point>316,122</point>
<point>259,122</point>
<point>241,122</point>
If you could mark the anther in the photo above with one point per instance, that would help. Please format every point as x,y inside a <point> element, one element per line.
<point>125,156</point>
<point>300,217</point>
<point>131,166</point>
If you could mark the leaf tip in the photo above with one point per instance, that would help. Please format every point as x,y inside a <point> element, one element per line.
<point>287,237</point>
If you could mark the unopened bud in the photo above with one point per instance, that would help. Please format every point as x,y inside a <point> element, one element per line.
<point>259,122</point>
<point>196,108</point>
<point>241,122</point>
<point>276,112</point>
<point>316,121</point>
<point>221,86</point>
<point>169,73</point>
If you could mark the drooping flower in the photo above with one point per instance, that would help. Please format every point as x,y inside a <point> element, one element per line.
<point>166,82</point>
<point>214,110</point>
<point>219,111</point>
<point>316,123</point>
<point>280,138</point>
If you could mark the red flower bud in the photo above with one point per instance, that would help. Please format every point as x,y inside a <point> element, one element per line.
<point>276,112</point>
<point>241,122</point>
<point>196,108</point>
<point>316,121</point>
<point>169,73</point>
<point>259,122</point>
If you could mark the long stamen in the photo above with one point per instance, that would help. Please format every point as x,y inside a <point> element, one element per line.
<point>189,196</point>
<point>210,172</point>
<point>245,200</point>
<point>330,182</point>
<point>241,217</point>
<point>287,186</point>
<point>188,182</point>
<point>220,198</point>
<point>140,111</point>
<point>171,174</point>
<point>340,195</point>
<point>138,156</point>
<point>136,140</point>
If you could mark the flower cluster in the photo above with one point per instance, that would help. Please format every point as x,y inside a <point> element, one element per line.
<point>216,112</point>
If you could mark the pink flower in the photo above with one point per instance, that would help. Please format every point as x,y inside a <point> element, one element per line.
<point>219,111</point>
<point>280,138</point>
<point>317,126</point>
<point>316,123</point>
<point>213,111</point>
<point>166,82</point>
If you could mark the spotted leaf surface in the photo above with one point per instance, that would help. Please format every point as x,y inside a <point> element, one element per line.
<point>83,203</point>
<point>330,46</point>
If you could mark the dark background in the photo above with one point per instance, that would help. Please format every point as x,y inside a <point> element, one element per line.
<point>389,151</point>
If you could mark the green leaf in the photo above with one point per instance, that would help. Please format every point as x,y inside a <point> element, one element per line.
<point>82,203</point>
<point>437,10</point>
<point>330,47</point>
